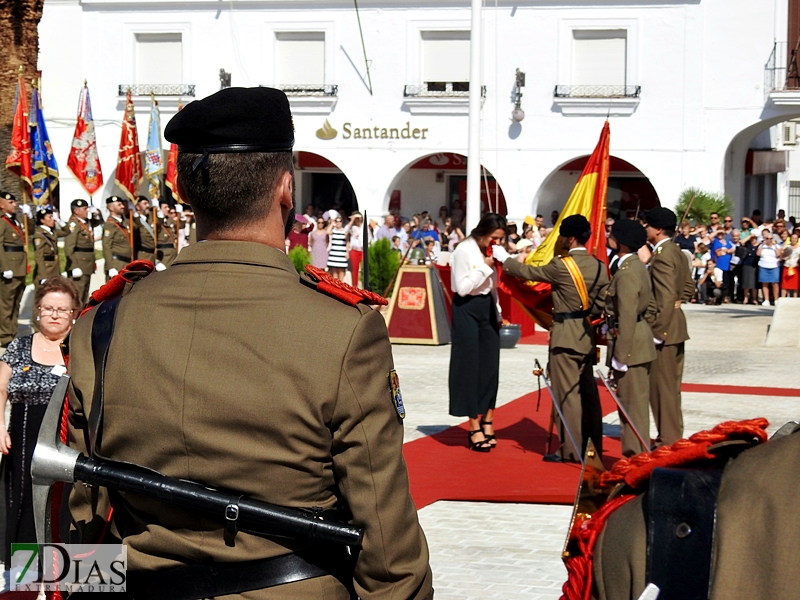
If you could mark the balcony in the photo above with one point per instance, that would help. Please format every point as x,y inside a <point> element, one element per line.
<point>781,77</point>
<point>597,100</point>
<point>312,99</point>
<point>157,89</point>
<point>439,98</point>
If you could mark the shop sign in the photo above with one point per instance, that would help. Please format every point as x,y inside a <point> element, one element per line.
<point>376,132</point>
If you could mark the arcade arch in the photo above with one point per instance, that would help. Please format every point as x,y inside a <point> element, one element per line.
<point>319,182</point>
<point>437,180</point>
<point>629,190</point>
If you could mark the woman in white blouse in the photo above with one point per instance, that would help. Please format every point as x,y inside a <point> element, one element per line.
<point>475,349</point>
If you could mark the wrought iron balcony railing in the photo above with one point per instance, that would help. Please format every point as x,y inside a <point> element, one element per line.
<point>309,90</point>
<point>158,89</point>
<point>440,89</point>
<point>597,91</point>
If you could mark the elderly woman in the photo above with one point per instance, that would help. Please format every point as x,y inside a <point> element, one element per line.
<point>29,370</point>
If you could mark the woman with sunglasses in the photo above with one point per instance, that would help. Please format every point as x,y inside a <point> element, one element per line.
<point>338,249</point>
<point>318,244</point>
<point>29,371</point>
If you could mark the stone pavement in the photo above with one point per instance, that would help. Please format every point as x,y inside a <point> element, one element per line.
<point>513,551</point>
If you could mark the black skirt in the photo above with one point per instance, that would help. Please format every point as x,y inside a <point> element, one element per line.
<point>474,356</point>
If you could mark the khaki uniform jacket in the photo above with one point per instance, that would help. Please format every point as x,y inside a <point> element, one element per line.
<point>629,295</point>
<point>116,242</point>
<point>13,236</point>
<point>45,249</point>
<point>572,334</point>
<point>79,244</point>
<point>144,235</point>
<point>755,537</point>
<point>166,250</point>
<point>672,284</point>
<point>249,394</point>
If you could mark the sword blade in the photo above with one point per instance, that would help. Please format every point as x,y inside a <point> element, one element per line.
<point>622,410</point>
<point>563,420</point>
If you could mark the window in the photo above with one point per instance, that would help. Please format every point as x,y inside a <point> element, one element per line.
<point>159,58</point>
<point>445,59</point>
<point>599,58</point>
<point>300,58</point>
<point>794,199</point>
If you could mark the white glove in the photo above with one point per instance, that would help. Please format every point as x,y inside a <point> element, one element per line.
<point>657,342</point>
<point>112,272</point>
<point>76,273</point>
<point>178,207</point>
<point>96,210</point>
<point>618,366</point>
<point>161,267</point>
<point>8,274</point>
<point>26,210</point>
<point>500,254</point>
<point>160,214</point>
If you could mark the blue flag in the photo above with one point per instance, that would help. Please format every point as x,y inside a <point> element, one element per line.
<point>43,162</point>
<point>153,162</point>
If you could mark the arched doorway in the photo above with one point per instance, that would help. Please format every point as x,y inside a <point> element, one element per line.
<point>629,190</point>
<point>440,180</point>
<point>320,183</point>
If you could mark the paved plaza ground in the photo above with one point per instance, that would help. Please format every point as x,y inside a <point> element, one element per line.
<point>513,551</point>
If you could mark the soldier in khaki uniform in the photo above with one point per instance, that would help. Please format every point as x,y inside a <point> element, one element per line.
<point>13,267</point>
<point>572,345</point>
<point>79,246</point>
<point>144,241</point>
<point>45,246</point>
<point>116,237</point>
<point>166,249</point>
<point>328,437</point>
<point>672,285</point>
<point>629,310</point>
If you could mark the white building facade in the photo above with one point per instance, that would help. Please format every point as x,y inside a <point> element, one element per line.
<point>383,124</point>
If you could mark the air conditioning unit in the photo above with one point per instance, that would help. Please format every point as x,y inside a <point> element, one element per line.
<point>789,133</point>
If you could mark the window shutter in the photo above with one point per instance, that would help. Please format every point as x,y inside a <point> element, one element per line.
<point>159,58</point>
<point>301,58</point>
<point>445,56</point>
<point>599,57</point>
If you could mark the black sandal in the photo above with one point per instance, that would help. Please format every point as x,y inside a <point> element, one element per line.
<point>489,437</point>
<point>482,446</point>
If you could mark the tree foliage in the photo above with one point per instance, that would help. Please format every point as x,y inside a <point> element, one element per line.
<point>703,204</point>
<point>383,264</point>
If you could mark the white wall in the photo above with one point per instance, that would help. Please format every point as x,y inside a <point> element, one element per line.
<point>700,65</point>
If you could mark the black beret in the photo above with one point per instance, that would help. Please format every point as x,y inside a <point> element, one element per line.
<point>629,233</point>
<point>7,196</point>
<point>42,212</point>
<point>140,198</point>
<point>79,203</point>
<point>234,120</point>
<point>575,226</point>
<point>661,218</point>
<point>111,199</point>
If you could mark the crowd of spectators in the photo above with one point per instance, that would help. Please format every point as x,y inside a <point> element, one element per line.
<point>335,240</point>
<point>754,263</point>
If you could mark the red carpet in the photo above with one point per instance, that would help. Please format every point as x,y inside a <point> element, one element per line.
<point>745,390</point>
<point>441,468</point>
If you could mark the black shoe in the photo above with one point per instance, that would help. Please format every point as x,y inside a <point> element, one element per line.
<point>482,446</point>
<point>489,437</point>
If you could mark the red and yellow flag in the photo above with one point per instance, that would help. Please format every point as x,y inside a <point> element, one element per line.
<point>19,159</point>
<point>588,198</point>
<point>171,180</point>
<point>129,162</point>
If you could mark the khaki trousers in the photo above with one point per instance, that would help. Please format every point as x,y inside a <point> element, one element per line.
<point>576,392</point>
<point>83,283</point>
<point>633,390</point>
<point>10,297</point>
<point>666,375</point>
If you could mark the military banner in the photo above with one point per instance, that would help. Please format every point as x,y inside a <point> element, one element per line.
<point>83,159</point>
<point>19,159</point>
<point>172,169</point>
<point>588,198</point>
<point>129,162</point>
<point>44,169</point>
<point>154,163</point>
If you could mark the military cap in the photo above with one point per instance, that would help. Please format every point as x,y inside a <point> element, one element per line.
<point>111,199</point>
<point>42,212</point>
<point>629,233</point>
<point>234,120</point>
<point>78,203</point>
<point>7,196</point>
<point>661,218</point>
<point>575,226</point>
<point>140,198</point>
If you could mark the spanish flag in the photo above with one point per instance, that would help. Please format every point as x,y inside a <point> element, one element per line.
<point>588,198</point>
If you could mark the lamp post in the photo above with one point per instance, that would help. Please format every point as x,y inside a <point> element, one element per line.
<point>519,82</point>
<point>473,208</point>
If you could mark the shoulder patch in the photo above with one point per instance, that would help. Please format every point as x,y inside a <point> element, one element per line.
<point>37,241</point>
<point>327,284</point>
<point>397,397</point>
<point>106,233</point>
<point>72,225</point>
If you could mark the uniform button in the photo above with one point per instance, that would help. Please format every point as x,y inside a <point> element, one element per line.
<point>683,530</point>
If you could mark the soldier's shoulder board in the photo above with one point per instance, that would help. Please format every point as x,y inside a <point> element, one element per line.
<point>72,225</point>
<point>329,285</point>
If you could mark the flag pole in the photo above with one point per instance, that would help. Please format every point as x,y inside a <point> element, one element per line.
<point>473,208</point>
